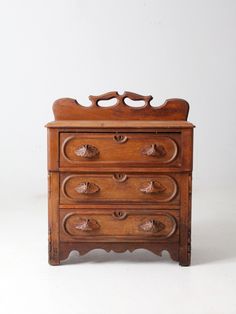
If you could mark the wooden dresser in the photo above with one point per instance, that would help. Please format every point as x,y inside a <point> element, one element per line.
<point>120,177</point>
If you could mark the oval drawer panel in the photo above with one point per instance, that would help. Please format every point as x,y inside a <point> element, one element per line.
<point>80,149</point>
<point>118,187</point>
<point>116,224</point>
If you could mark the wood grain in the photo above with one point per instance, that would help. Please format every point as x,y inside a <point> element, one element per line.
<point>70,109</point>
<point>131,150</point>
<point>120,177</point>
<point>136,126</point>
<point>104,188</point>
<point>119,247</point>
<point>105,226</point>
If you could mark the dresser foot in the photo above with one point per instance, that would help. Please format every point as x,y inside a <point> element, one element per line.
<point>185,264</point>
<point>185,260</point>
<point>53,262</point>
<point>53,256</point>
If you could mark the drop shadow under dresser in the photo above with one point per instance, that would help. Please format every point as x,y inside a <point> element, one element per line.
<point>120,177</point>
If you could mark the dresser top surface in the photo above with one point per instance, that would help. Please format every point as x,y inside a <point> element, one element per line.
<point>118,124</point>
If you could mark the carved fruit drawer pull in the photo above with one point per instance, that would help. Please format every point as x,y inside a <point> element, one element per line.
<point>87,225</point>
<point>152,225</point>
<point>87,151</point>
<point>153,187</point>
<point>120,139</point>
<point>119,215</point>
<point>87,188</point>
<point>154,150</point>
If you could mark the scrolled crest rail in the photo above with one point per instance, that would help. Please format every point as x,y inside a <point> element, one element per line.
<point>70,109</point>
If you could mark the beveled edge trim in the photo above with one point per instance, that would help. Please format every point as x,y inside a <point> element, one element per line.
<point>134,125</point>
<point>102,126</point>
<point>63,146</point>
<point>63,183</point>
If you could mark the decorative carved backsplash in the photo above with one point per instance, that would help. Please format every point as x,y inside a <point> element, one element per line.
<point>70,109</point>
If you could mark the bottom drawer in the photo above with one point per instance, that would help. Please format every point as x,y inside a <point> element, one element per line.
<point>119,225</point>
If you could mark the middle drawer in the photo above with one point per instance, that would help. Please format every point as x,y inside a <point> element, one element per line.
<point>119,187</point>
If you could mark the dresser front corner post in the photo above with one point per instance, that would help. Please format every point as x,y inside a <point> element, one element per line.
<point>53,219</point>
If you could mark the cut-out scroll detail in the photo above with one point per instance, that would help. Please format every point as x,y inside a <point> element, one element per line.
<point>70,109</point>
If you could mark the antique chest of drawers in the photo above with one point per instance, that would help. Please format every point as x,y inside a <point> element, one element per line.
<point>120,177</point>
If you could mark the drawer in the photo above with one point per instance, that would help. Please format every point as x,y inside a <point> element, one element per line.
<point>119,187</point>
<point>119,225</point>
<point>120,149</point>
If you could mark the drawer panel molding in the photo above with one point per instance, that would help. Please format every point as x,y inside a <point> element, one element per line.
<point>79,149</point>
<point>79,188</point>
<point>136,224</point>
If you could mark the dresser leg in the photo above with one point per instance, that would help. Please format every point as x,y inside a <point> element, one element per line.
<point>53,260</point>
<point>185,259</point>
<point>53,219</point>
<point>53,253</point>
<point>185,251</point>
<point>185,222</point>
<point>53,263</point>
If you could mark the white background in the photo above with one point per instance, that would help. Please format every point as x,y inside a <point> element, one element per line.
<point>52,49</point>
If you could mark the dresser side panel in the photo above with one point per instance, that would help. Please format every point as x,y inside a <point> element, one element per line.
<point>187,149</point>
<point>53,149</point>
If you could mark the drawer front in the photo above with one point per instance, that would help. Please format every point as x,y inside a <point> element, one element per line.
<point>119,225</point>
<point>118,187</point>
<point>91,149</point>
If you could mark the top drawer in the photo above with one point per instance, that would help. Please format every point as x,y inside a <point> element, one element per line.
<point>120,149</point>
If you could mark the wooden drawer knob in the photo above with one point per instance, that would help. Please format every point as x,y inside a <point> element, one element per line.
<point>87,188</point>
<point>87,225</point>
<point>154,150</point>
<point>153,187</point>
<point>120,139</point>
<point>87,151</point>
<point>151,225</point>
